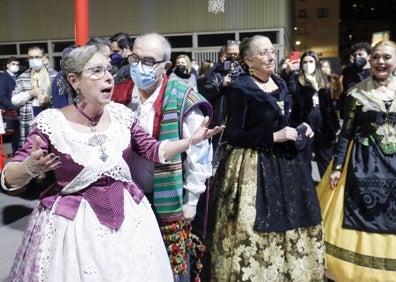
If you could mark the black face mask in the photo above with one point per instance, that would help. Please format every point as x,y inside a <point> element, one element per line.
<point>360,62</point>
<point>180,71</point>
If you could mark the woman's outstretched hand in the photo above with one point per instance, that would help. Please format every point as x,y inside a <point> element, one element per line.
<point>39,160</point>
<point>203,132</point>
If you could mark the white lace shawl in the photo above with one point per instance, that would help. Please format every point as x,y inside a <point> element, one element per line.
<point>100,153</point>
<point>372,99</point>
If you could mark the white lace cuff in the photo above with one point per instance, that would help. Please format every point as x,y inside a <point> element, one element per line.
<point>3,182</point>
<point>161,152</point>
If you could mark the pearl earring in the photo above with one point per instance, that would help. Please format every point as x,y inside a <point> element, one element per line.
<point>250,70</point>
<point>77,99</point>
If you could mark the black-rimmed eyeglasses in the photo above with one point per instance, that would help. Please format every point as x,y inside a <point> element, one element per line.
<point>134,60</point>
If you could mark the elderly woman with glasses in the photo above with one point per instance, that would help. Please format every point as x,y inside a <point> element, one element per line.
<point>267,218</point>
<point>92,223</point>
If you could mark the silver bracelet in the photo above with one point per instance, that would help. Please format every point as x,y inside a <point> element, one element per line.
<point>28,169</point>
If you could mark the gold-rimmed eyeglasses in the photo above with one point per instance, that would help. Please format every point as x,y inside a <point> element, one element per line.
<point>267,53</point>
<point>99,71</point>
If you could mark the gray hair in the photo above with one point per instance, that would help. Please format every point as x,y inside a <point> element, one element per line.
<point>166,47</point>
<point>248,48</point>
<point>74,63</point>
<point>102,44</point>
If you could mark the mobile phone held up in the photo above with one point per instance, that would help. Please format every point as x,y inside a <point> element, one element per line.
<point>294,55</point>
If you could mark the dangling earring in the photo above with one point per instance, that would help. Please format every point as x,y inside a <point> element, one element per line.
<point>77,99</point>
<point>251,70</point>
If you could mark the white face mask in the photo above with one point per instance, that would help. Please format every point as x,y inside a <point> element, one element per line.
<point>309,68</point>
<point>36,64</point>
<point>14,68</point>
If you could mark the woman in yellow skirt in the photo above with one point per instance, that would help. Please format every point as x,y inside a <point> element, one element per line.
<point>358,191</point>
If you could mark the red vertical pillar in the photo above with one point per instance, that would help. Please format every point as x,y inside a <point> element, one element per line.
<point>81,20</point>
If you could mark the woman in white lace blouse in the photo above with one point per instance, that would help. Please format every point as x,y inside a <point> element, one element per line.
<point>92,223</point>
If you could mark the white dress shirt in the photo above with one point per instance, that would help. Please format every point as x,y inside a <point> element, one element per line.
<point>197,166</point>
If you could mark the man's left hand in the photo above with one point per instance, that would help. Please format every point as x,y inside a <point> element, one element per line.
<point>189,212</point>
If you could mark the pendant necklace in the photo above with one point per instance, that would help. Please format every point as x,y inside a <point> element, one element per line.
<point>94,121</point>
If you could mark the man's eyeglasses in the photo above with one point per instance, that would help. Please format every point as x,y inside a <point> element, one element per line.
<point>98,72</point>
<point>134,60</point>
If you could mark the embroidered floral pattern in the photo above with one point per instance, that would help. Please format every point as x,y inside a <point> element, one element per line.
<point>241,254</point>
<point>98,140</point>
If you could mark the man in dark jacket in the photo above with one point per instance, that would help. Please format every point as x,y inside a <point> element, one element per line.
<point>357,70</point>
<point>219,77</point>
<point>9,111</point>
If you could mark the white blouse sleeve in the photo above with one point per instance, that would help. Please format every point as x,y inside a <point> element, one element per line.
<point>197,167</point>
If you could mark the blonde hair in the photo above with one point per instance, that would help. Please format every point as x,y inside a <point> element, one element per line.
<point>188,62</point>
<point>385,43</point>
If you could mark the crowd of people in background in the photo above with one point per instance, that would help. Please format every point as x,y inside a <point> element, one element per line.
<point>213,159</point>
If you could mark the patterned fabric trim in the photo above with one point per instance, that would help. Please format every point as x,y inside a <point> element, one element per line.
<point>359,259</point>
<point>168,181</point>
<point>179,100</point>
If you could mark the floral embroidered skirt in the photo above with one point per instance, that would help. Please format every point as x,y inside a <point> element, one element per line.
<point>238,252</point>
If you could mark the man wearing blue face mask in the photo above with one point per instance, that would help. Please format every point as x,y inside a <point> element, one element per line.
<point>32,92</point>
<point>168,109</point>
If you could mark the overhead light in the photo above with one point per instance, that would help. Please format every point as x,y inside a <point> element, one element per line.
<point>298,42</point>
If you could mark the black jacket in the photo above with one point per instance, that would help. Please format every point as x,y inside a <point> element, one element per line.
<point>7,85</point>
<point>302,105</point>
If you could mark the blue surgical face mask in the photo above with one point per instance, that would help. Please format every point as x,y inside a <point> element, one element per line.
<point>143,76</point>
<point>35,64</point>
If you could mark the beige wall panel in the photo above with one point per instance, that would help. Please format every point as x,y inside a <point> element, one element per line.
<point>24,20</point>
<point>177,16</point>
<point>267,14</point>
<point>43,19</point>
<point>110,17</point>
